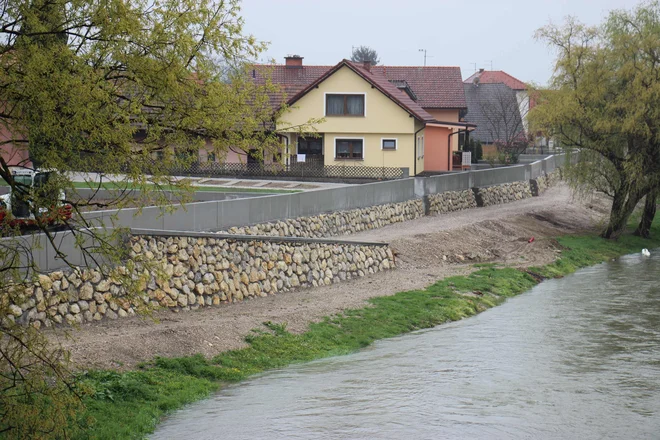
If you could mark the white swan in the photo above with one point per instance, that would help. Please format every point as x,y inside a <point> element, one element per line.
<point>646,252</point>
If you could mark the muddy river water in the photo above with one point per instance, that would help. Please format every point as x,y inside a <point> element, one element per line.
<point>574,358</point>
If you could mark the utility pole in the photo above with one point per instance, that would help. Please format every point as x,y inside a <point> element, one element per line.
<point>475,66</point>
<point>491,64</point>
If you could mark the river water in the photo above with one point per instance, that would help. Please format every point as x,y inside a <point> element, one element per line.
<point>574,358</point>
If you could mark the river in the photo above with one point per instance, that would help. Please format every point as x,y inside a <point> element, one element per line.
<point>574,358</point>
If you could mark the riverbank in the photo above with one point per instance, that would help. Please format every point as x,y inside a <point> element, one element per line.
<point>129,404</point>
<point>427,249</point>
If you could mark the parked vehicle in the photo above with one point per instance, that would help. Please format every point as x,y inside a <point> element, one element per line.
<point>17,212</point>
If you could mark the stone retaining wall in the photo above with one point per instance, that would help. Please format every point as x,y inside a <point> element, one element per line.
<point>188,273</point>
<point>337,223</point>
<point>542,183</point>
<point>450,201</point>
<point>505,193</point>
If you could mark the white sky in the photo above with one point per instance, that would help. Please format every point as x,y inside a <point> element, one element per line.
<point>454,32</point>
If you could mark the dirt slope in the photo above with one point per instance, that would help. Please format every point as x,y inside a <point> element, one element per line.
<point>427,249</point>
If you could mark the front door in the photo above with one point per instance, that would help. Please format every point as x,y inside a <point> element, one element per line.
<point>312,148</point>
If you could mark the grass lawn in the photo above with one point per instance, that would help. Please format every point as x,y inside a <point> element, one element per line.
<point>129,405</point>
<point>110,186</point>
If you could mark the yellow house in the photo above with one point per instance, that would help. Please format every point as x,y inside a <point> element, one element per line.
<point>369,119</point>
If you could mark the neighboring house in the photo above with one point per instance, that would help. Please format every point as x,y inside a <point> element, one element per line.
<point>501,77</point>
<point>374,116</point>
<point>13,154</point>
<point>494,109</point>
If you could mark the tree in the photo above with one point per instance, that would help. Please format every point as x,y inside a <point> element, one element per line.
<point>504,117</point>
<point>105,87</point>
<point>650,205</point>
<point>605,100</point>
<point>363,54</point>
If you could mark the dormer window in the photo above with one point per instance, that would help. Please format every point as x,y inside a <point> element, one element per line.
<point>344,105</point>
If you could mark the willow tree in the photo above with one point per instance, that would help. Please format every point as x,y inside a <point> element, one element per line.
<point>604,99</point>
<point>127,88</point>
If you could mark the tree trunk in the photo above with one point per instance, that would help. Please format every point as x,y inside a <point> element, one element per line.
<point>644,228</point>
<point>622,206</point>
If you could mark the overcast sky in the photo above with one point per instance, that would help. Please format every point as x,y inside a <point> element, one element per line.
<point>454,33</point>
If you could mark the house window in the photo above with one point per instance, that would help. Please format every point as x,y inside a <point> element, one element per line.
<point>349,149</point>
<point>420,147</point>
<point>210,157</point>
<point>388,144</point>
<point>344,105</point>
<point>310,146</point>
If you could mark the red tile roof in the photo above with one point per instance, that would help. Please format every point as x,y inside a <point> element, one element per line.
<point>379,82</point>
<point>291,80</point>
<point>497,77</point>
<point>436,87</point>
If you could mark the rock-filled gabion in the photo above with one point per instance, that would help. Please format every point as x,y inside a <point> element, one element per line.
<point>450,201</point>
<point>188,273</point>
<point>337,223</point>
<point>542,183</point>
<point>505,193</point>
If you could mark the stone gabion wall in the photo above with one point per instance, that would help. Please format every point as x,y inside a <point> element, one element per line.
<point>188,273</point>
<point>542,183</point>
<point>337,223</point>
<point>451,201</point>
<point>505,193</point>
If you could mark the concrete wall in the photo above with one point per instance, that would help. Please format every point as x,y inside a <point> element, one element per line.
<point>221,215</point>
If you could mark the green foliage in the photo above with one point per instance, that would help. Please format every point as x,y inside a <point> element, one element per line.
<point>509,151</point>
<point>605,100</point>
<point>474,146</point>
<point>127,405</point>
<point>131,89</point>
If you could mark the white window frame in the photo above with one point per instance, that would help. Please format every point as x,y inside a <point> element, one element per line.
<point>419,146</point>
<point>396,144</point>
<point>345,116</point>
<point>344,138</point>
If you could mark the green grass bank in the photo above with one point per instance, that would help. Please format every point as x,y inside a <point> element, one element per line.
<point>128,405</point>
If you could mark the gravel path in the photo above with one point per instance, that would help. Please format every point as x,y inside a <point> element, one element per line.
<point>427,249</point>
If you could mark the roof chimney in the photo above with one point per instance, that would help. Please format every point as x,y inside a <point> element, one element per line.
<point>293,62</point>
<point>366,65</point>
<point>481,70</point>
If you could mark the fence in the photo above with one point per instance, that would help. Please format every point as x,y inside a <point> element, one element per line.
<point>312,168</point>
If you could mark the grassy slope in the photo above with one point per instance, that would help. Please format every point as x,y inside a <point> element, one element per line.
<point>128,405</point>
